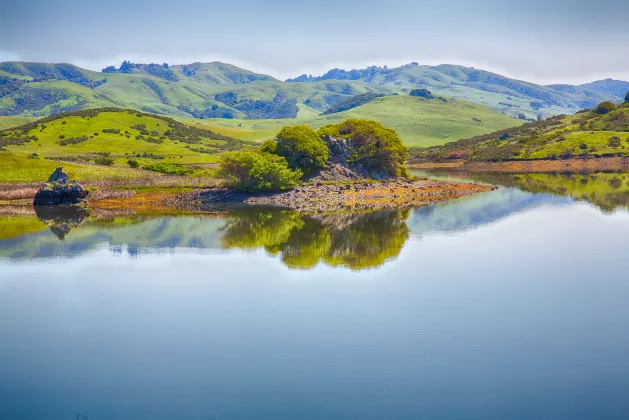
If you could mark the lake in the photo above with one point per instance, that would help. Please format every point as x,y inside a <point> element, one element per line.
<point>511,304</point>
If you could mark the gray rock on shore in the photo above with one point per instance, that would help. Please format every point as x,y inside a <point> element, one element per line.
<point>60,190</point>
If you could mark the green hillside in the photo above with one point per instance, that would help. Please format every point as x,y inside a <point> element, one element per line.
<point>219,90</point>
<point>199,90</point>
<point>602,132</point>
<point>9,122</point>
<point>497,92</point>
<point>108,136</point>
<point>419,122</point>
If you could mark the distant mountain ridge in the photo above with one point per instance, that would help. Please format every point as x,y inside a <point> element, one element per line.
<point>220,90</point>
<point>480,86</point>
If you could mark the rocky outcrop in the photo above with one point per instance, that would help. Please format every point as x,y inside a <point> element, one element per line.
<point>338,167</point>
<point>60,190</point>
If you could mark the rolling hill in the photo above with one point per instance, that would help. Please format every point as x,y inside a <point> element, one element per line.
<point>108,136</point>
<point>499,93</point>
<point>601,132</point>
<point>199,90</point>
<point>418,121</point>
<point>219,90</point>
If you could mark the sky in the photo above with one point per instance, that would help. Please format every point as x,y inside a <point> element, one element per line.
<point>542,41</point>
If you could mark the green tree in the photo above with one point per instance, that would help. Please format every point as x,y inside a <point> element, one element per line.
<point>627,98</point>
<point>376,149</point>
<point>254,172</point>
<point>302,148</point>
<point>422,93</point>
<point>604,108</point>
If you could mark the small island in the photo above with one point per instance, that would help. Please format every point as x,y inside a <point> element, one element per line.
<point>356,164</point>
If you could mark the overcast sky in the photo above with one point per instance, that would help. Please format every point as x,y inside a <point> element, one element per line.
<point>543,41</point>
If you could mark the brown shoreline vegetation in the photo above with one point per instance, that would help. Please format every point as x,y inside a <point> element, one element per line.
<point>531,166</point>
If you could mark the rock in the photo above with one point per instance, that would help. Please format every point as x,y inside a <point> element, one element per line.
<point>59,190</point>
<point>58,176</point>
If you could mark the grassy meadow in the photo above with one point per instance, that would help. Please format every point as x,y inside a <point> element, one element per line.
<point>419,122</point>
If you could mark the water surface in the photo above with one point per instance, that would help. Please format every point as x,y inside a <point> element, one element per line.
<point>507,304</point>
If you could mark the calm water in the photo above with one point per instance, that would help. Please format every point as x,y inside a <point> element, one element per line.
<point>507,305</point>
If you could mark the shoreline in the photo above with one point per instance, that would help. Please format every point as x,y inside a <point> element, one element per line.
<point>360,195</point>
<point>609,164</point>
<point>316,197</point>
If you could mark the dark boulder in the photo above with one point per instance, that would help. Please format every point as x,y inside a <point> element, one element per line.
<point>59,190</point>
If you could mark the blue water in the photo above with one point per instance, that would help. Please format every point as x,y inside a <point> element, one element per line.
<point>505,305</point>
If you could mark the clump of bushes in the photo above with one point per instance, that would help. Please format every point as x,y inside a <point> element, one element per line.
<point>168,168</point>
<point>258,171</point>
<point>302,148</point>
<point>133,163</point>
<point>604,108</point>
<point>104,160</point>
<point>614,141</point>
<point>422,93</point>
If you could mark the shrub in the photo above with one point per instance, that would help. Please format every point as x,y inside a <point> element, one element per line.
<point>604,108</point>
<point>168,168</point>
<point>614,142</point>
<point>104,160</point>
<point>268,146</point>
<point>302,148</point>
<point>373,147</point>
<point>627,98</point>
<point>254,172</point>
<point>583,146</point>
<point>133,163</point>
<point>422,93</point>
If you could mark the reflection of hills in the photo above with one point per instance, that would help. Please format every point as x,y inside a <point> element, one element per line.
<point>355,240</point>
<point>607,191</point>
<point>136,234</point>
<point>476,210</point>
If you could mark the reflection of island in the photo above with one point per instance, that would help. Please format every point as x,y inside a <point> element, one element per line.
<point>61,219</point>
<point>351,239</point>
<point>354,240</point>
<point>607,191</point>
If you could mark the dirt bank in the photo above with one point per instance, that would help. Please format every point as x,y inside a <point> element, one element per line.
<point>523,166</point>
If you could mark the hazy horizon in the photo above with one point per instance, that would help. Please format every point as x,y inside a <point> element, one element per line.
<point>546,42</point>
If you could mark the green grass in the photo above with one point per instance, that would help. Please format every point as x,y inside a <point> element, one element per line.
<point>10,122</point>
<point>121,146</point>
<point>16,169</point>
<point>419,122</point>
<point>583,135</point>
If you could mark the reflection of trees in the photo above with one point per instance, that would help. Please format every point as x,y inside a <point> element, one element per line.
<point>357,241</point>
<point>61,219</point>
<point>607,191</point>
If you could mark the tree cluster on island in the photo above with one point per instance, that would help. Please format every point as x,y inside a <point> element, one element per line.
<point>281,163</point>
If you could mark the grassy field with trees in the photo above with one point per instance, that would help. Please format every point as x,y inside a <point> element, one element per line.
<point>600,132</point>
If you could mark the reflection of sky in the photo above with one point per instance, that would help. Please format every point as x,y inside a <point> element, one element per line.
<point>521,318</point>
